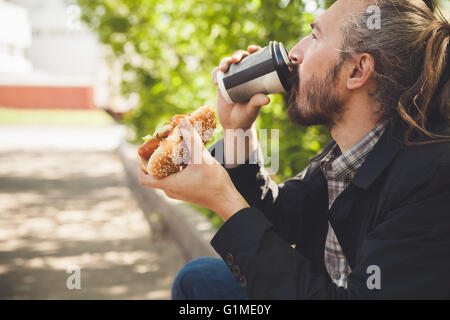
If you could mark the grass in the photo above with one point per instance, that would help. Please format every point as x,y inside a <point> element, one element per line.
<point>11,116</point>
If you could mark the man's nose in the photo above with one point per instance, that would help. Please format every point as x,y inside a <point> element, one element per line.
<point>297,53</point>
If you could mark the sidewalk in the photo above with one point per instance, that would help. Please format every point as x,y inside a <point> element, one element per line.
<point>64,201</point>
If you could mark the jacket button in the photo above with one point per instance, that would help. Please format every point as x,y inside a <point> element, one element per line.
<point>236,271</point>
<point>243,281</point>
<point>229,259</point>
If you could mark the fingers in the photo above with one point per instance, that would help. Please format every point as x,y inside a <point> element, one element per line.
<point>224,63</point>
<point>214,75</point>
<point>253,48</point>
<point>235,58</point>
<point>238,56</point>
<point>147,180</point>
<point>259,99</point>
<point>255,104</point>
<point>165,184</point>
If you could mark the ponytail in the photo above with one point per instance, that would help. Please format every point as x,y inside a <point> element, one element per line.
<point>431,4</point>
<point>427,100</point>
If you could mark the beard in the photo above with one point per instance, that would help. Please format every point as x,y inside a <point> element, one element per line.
<point>315,101</point>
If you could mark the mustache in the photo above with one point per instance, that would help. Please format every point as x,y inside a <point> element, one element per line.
<point>294,82</point>
<point>294,77</point>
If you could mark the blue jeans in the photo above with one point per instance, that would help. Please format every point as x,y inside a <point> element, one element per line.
<point>206,279</point>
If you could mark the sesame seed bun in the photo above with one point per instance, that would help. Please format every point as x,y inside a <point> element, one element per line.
<point>171,153</point>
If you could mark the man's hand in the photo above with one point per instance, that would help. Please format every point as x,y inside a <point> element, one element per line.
<point>237,115</point>
<point>204,181</point>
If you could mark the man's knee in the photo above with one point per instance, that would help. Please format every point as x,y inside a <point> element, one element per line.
<point>192,276</point>
<point>205,278</point>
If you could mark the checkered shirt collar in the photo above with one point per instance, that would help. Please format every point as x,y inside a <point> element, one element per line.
<point>337,165</point>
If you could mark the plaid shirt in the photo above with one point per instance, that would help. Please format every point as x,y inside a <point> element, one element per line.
<point>339,169</point>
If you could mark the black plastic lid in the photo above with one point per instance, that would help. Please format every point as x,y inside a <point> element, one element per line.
<point>280,64</point>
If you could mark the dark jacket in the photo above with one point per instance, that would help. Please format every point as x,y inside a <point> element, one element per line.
<point>395,216</point>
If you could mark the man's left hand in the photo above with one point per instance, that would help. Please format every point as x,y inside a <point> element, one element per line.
<point>203,182</point>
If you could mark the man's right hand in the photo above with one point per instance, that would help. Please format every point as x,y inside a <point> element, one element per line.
<point>238,115</point>
<point>238,143</point>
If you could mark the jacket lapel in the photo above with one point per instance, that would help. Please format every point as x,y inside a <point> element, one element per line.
<point>345,222</point>
<point>378,159</point>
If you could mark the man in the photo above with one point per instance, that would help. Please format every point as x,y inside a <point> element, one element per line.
<point>369,216</point>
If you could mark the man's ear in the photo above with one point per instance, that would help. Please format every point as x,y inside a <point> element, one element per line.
<point>361,68</point>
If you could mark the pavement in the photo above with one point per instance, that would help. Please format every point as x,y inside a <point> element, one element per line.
<point>68,218</point>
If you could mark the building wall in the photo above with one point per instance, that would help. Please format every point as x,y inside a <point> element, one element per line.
<point>61,44</point>
<point>64,55</point>
<point>32,97</point>
<point>15,38</point>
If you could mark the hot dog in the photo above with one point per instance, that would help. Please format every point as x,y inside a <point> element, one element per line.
<point>164,153</point>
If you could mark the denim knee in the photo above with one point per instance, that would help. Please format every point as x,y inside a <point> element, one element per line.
<point>206,278</point>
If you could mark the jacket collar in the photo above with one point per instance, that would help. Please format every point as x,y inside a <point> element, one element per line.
<point>379,158</point>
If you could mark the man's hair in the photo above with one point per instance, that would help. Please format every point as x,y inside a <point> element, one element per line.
<point>411,54</point>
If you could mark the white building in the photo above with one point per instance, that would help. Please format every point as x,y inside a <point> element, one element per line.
<point>48,59</point>
<point>60,44</point>
<point>15,39</point>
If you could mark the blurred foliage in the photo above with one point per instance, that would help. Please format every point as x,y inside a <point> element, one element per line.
<point>167,50</point>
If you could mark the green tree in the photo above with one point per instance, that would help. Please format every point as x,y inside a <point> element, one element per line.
<point>168,48</point>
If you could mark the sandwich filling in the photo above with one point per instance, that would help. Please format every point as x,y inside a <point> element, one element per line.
<point>152,142</point>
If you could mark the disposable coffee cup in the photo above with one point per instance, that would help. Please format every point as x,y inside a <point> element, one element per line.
<point>266,71</point>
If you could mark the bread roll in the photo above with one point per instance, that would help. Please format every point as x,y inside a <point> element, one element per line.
<point>172,153</point>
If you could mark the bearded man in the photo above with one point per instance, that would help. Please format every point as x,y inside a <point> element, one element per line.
<point>370,215</point>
